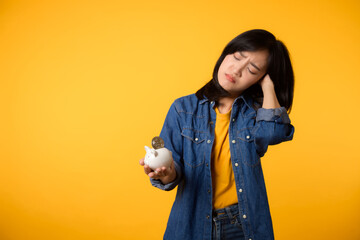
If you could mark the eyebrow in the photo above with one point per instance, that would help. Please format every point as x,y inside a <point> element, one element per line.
<point>250,62</point>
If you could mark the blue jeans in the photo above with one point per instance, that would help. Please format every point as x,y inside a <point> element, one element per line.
<point>226,224</point>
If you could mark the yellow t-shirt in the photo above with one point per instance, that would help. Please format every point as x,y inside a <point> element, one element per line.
<point>224,189</point>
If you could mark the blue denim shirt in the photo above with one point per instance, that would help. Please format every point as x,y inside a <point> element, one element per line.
<point>188,132</point>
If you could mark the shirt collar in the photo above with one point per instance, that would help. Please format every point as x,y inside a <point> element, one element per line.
<point>205,99</point>
<point>245,97</point>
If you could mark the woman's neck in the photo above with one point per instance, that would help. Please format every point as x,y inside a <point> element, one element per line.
<point>224,104</point>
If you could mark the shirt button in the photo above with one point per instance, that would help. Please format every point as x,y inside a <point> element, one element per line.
<point>212,102</point>
<point>240,190</point>
<point>196,139</point>
<point>209,141</point>
<point>244,216</point>
<point>247,137</point>
<point>207,216</point>
<point>233,119</point>
<point>209,191</point>
<point>207,164</point>
<point>211,123</point>
<point>233,141</point>
<point>236,164</point>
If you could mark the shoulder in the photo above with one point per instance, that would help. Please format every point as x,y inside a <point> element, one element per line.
<point>187,98</point>
<point>186,103</point>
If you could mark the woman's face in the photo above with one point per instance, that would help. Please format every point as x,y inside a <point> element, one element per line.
<point>240,70</point>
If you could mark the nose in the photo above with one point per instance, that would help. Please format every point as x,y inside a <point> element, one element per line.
<point>238,68</point>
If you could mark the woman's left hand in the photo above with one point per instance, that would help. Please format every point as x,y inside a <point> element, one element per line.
<point>266,83</point>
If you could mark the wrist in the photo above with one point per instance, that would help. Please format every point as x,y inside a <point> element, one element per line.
<point>268,89</point>
<point>270,99</point>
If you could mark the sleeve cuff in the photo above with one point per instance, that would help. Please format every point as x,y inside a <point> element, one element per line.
<point>278,115</point>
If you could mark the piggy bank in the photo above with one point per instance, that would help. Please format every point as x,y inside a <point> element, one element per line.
<point>157,158</point>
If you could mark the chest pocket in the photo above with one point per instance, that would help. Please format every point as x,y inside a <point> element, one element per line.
<point>245,134</point>
<point>247,146</point>
<point>194,141</point>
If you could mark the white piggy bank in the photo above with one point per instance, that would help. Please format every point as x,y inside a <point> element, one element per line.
<point>157,158</point>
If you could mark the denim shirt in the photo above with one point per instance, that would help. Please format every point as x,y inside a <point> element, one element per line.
<point>188,132</point>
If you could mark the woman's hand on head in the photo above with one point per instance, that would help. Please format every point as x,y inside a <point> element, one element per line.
<point>270,98</point>
<point>165,175</point>
<point>266,83</point>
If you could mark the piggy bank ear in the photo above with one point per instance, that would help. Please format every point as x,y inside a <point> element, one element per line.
<point>147,149</point>
<point>153,151</point>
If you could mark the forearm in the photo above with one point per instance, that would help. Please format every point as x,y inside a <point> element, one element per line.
<point>270,99</point>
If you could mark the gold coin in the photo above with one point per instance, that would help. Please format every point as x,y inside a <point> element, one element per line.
<point>157,142</point>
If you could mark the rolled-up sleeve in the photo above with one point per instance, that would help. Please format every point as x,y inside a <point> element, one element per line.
<point>171,134</point>
<point>272,126</point>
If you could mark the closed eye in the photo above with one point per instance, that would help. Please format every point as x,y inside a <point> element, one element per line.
<point>251,71</point>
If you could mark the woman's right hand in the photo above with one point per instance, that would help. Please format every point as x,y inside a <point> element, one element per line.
<point>165,175</point>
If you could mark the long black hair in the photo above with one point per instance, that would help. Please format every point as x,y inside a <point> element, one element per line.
<point>279,68</point>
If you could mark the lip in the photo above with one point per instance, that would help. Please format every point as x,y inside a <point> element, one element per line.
<point>230,78</point>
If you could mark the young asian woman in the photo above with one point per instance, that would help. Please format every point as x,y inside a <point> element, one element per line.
<point>217,137</point>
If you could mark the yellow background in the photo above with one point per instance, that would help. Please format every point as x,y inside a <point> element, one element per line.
<point>84,85</point>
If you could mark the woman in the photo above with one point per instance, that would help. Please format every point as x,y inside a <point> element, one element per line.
<point>217,137</point>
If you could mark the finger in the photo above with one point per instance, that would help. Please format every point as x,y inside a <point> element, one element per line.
<point>142,162</point>
<point>153,175</point>
<point>158,172</point>
<point>267,77</point>
<point>147,169</point>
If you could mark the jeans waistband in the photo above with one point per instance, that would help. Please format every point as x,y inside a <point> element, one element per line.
<point>229,211</point>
